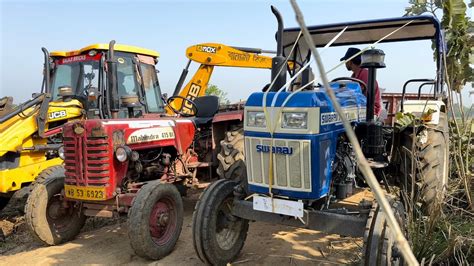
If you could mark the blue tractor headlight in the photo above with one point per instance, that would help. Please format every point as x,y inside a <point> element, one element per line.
<point>256,119</point>
<point>296,120</point>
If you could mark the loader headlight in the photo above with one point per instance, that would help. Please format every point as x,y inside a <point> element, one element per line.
<point>256,119</point>
<point>296,120</point>
<point>61,153</point>
<point>122,153</point>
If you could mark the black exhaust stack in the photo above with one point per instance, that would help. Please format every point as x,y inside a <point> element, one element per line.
<point>112,80</point>
<point>278,62</point>
<point>181,79</point>
<point>47,72</point>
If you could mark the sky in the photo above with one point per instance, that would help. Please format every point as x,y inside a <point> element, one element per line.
<point>169,27</point>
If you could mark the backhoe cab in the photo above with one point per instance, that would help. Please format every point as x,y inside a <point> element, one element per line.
<point>108,80</point>
<point>98,81</point>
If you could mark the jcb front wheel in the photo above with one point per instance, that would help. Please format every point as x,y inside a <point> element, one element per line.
<point>51,219</point>
<point>155,220</point>
<point>218,236</point>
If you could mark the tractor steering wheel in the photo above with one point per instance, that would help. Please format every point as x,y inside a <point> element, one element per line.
<point>181,112</point>
<point>364,86</point>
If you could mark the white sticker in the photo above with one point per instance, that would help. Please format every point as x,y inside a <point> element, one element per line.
<point>151,134</point>
<point>333,117</point>
<point>280,206</point>
<point>57,114</point>
<point>141,123</point>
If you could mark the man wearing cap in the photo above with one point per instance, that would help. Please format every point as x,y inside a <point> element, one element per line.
<point>363,75</point>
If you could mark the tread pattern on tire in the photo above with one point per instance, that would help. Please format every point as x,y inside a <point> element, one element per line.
<point>432,163</point>
<point>231,156</point>
<point>378,239</point>
<point>202,215</point>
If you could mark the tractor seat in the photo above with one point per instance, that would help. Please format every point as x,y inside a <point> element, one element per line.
<point>207,107</point>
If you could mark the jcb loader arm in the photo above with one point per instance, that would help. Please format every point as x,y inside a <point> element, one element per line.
<point>31,119</point>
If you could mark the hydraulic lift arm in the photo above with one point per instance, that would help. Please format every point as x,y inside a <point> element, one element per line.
<point>210,55</point>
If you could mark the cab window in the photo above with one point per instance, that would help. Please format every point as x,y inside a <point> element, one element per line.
<point>152,88</point>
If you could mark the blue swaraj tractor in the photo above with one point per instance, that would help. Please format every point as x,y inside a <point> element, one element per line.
<point>299,163</point>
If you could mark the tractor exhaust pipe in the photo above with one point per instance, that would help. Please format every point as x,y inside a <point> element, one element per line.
<point>112,81</point>
<point>181,79</point>
<point>278,62</point>
<point>47,72</point>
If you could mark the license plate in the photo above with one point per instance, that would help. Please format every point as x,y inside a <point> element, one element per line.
<point>280,206</point>
<point>84,193</point>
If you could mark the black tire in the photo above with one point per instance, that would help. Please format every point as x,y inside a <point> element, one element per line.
<point>155,220</point>
<point>379,243</point>
<point>232,157</point>
<point>4,202</point>
<point>218,237</point>
<point>45,212</point>
<point>432,159</point>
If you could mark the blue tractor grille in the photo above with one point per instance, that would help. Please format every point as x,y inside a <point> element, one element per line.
<point>291,163</point>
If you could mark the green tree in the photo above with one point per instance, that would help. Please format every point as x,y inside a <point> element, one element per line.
<point>214,90</point>
<point>459,33</point>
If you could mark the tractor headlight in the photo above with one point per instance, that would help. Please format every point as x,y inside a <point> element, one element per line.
<point>121,153</point>
<point>296,120</point>
<point>61,152</point>
<point>256,119</point>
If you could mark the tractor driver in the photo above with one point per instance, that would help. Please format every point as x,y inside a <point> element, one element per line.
<point>362,74</point>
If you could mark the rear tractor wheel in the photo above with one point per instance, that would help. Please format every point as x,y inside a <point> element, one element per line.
<point>431,158</point>
<point>155,220</point>
<point>51,219</point>
<point>218,236</point>
<point>232,157</point>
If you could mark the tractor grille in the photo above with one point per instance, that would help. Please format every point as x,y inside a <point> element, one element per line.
<point>86,160</point>
<point>290,171</point>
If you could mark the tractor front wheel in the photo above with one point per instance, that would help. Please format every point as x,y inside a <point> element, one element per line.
<point>218,236</point>
<point>51,219</point>
<point>155,220</point>
<point>379,243</point>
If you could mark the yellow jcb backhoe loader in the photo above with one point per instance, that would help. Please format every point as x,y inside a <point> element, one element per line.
<point>75,86</point>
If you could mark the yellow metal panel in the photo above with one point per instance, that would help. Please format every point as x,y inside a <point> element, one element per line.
<point>15,132</point>
<point>12,179</point>
<point>221,55</point>
<point>104,46</point>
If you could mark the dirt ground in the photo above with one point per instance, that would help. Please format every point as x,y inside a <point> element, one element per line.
<point>105,241</point>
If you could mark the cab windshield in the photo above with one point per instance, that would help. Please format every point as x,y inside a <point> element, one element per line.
<point>130,77</point>
<point>81,73</point>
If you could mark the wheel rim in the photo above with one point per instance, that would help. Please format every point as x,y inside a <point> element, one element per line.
<point>228,227</point>
<point>59,213</point>
<point>163,221</point>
